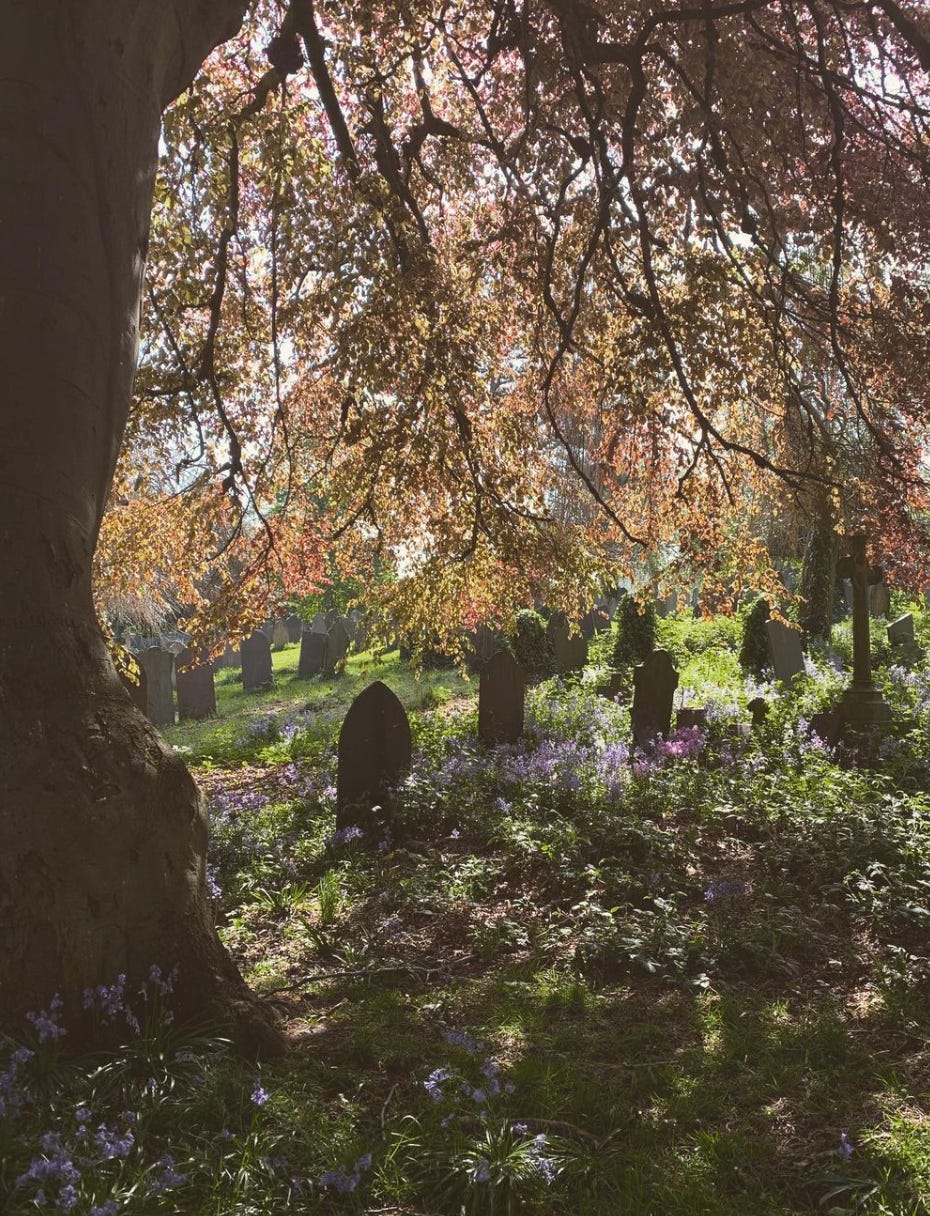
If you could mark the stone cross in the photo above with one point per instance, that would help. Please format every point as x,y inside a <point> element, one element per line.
<point>862,701</point>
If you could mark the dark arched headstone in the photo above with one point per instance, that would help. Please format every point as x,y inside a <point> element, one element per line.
<point>374,751</point>
<point>294,625</point>
<point>312,645</point>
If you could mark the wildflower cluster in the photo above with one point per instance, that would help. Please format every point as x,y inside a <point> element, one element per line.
<point>345,1178</point>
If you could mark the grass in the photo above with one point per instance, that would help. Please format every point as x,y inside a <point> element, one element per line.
<point>557,983</point>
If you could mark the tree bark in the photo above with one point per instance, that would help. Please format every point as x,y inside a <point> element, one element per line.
<point>102,837</point>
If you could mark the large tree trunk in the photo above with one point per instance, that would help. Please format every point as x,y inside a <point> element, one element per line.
<point>102,837</point>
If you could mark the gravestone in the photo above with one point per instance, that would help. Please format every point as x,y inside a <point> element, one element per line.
<point>294,625</point>
<point>576,653</point>
<point>486,643</point>
<point>654,684</point>
<point>862,704</point>
<point>901,631</point>
<point>336,648</point>
<point>229,658</point>
<point>880,599</point>
<point>331,617</point>
<point>318,624</point>
<point>158,665</point>
<point>255,656</point>
<point>827,725</point>
<point>196,692</point>
<point>691,716</point>
<point>279,635</point>
<point>374,751</point>
<point>500,699</point>
<point>312,645</point>
<point>267,628</point>
<point>615,686</point>
<point>786,650</point>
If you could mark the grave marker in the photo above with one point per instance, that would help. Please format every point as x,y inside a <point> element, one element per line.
<point>654,684</point>
<point>158,665</point>
<point>255,656</point>
<point>196,692</point>
<point>279,635</point>
<point>501,692</point>
<point>312,645</point>
<point>373,752</point>
<point>786,650</point>
<point>294,625</point>
<point>901,631</point>
<point>335,649</point>
<point>862,702</point>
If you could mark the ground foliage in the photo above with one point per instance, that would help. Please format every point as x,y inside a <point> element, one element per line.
<point>563,979</point>
<point>418,272</point>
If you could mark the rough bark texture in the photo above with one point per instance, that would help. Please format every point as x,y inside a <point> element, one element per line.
<point>102,837</point>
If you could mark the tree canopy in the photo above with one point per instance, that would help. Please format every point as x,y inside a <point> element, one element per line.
<point>499,290</point>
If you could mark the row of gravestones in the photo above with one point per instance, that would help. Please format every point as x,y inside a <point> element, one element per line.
<point>375,748</point>
<point>569,650</point>
<point>288,631</point>
<point>787,650</point>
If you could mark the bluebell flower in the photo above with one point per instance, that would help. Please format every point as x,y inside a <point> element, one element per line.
<point>259,1095</point>
<point>846,1148</point>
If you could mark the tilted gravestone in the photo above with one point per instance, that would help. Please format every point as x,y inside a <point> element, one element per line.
<point>786,650</point>
<point>294,625</point>
<point>312,645</point>
<point>196,692</point>
<point>255,653</point>
<point>335,649</point>
<point>901,631</point>
<point>279,635</point>
<point>501,692</point>
<point>158,665</point>
<point>374,751</point>
<point>654,684</point>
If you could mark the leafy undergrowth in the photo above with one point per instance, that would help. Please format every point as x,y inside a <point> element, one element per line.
<point>560,979</point>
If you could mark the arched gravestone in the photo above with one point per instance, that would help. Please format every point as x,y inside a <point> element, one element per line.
<point>312,645</point>
<point>255,652</point>
<point>374,751</point>
<point>576,653</point>
<point>195,688</point>
<point>336,648</point>
<point>318,624</point>
<point>158,665</point>
<point>294,625</point>
<point>279,635</point>
<point>654,684</point>
<point>500,699</point>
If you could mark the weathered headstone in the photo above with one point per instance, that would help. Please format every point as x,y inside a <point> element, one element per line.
<point>196,692</point>
<point>158,665</point>
<point>267,628</point>
<point>312,645</point>
<point>901,631</point>
<point>500,699</point>
<point>827,725</point>
<point>255,654</point>
<point>690,716</point>
<point>576,653</point>
<point>279,635</point>
<point>294,625</point>
<point>318,624</point>
<point>374,751</point>
<point>880,599</point>
<point>654,684</point>
<point>336,648</point>
<point>331,617</point>
<point>786,650</point>
<point>862,703</point>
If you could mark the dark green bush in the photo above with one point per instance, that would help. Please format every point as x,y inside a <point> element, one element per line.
<point>636,631</point>
<point>530,645</point>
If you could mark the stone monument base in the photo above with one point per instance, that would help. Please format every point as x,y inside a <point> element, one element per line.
<point>863,706</point>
